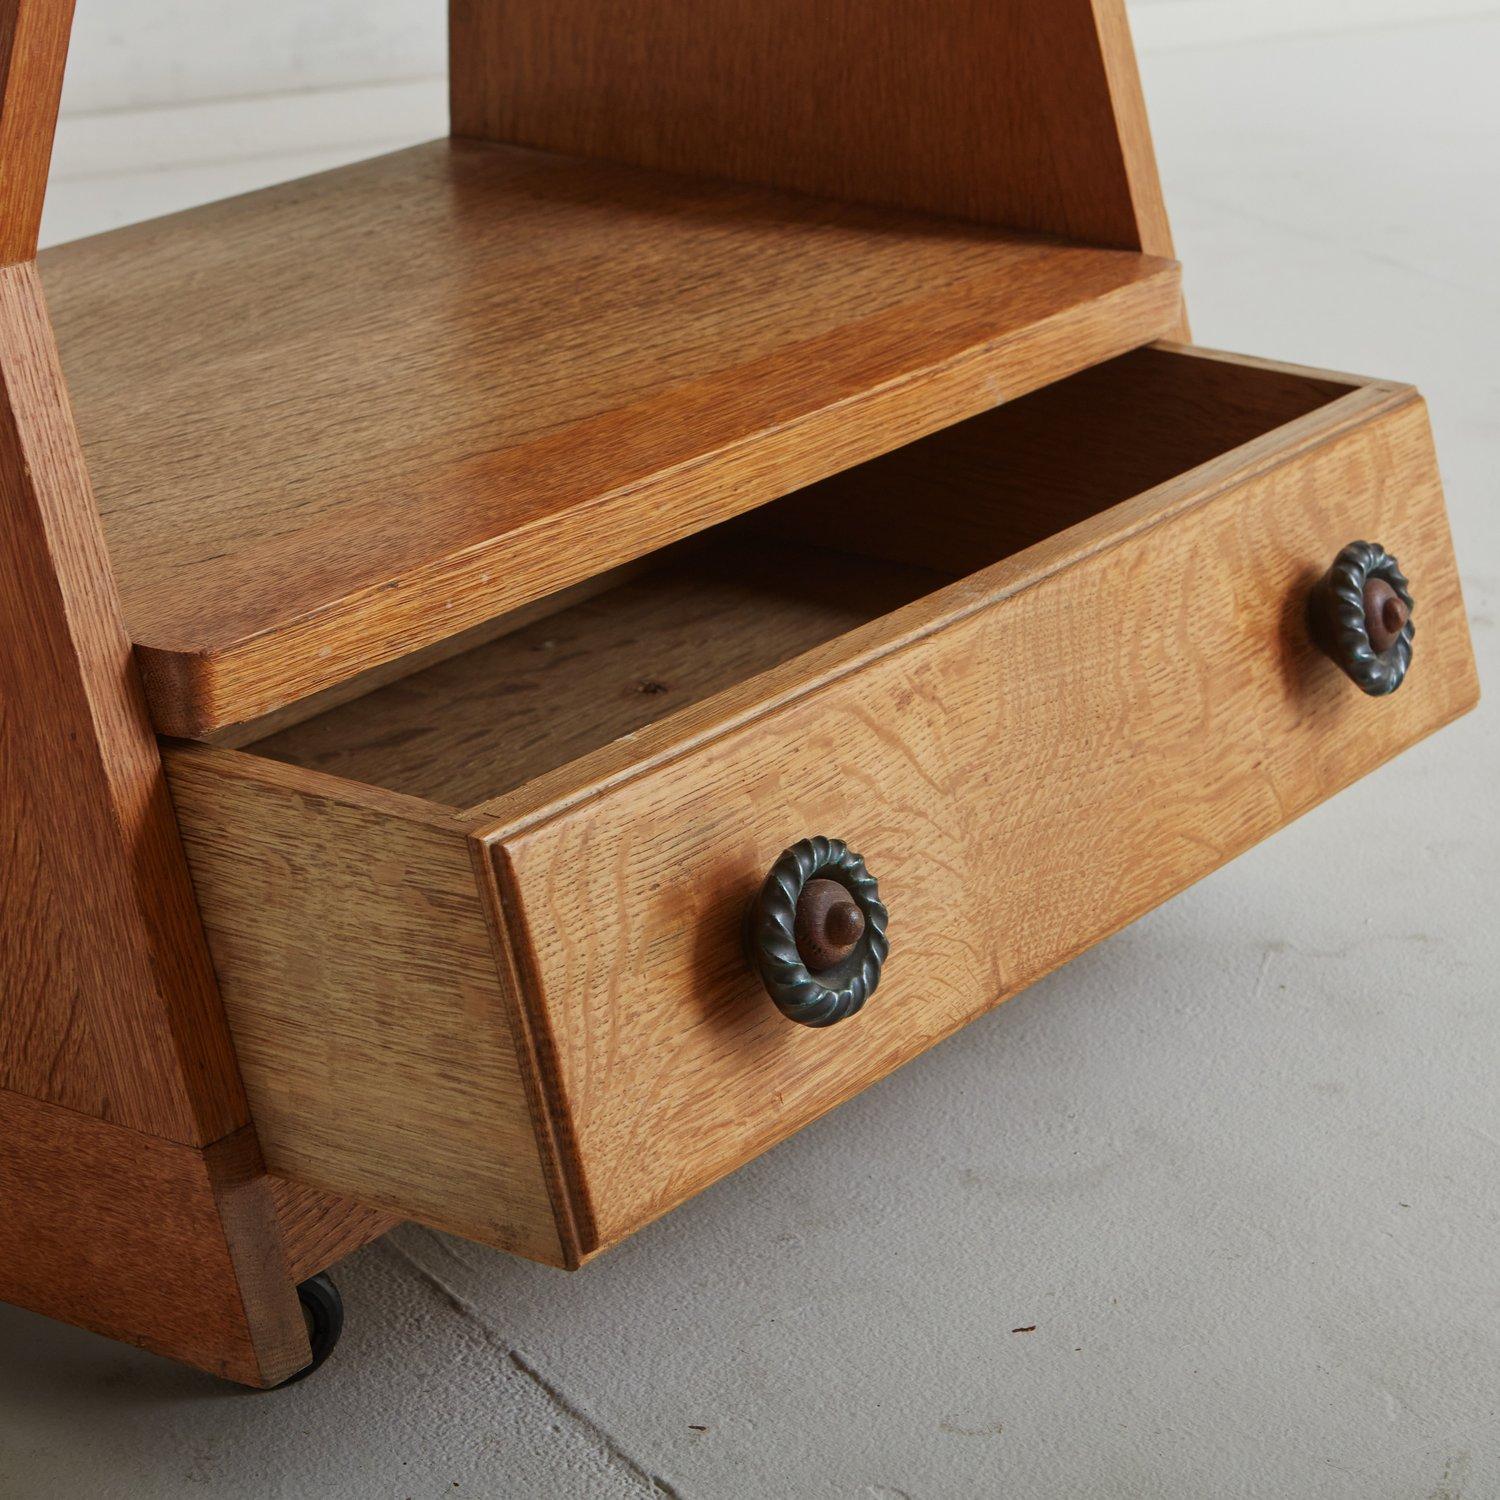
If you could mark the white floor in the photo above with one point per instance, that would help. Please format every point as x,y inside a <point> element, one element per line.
<point>1239,1166</point>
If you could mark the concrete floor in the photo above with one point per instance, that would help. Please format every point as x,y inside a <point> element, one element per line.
<point>1240,1166</point>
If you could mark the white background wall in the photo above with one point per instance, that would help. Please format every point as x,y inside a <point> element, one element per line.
<point>170,102</point>
<point>136,52</point>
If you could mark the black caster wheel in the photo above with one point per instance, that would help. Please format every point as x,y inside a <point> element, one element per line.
<point>323,1309</point>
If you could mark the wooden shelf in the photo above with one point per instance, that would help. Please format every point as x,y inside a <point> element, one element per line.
<point>339,421</point>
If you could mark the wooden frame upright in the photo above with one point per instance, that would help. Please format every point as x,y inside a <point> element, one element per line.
<point>132,1196</point>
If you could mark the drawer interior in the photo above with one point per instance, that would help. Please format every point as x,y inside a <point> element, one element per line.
<point>602,663</point>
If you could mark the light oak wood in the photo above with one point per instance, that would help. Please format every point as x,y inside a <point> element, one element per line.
<point>704,619</point>
<point>1050,490</point>
<point>318,1228</point>
<point>1097,723</point>
<point>579,363</point>
<point>155,1243</point>
<point>33,49</point>
<point>370,1015</point>
<point>403,469</point>
<point>253,731</point>
<point>1122,81</point>
<point>386,404</point>
<point>1029,756</point>
<point>1018,112</point>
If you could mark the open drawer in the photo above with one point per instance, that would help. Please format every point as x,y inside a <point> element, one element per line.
<point>480,931</point>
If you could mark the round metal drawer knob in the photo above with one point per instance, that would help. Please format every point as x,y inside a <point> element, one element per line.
<point>1359,614</point>
<point>815,933</point>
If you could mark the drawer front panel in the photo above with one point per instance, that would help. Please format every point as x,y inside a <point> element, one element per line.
<point>1023,781</point>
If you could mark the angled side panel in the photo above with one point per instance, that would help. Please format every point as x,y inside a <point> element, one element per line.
<point>1025,113</point>
<point>108,1002</point>
<point>134,1198</point>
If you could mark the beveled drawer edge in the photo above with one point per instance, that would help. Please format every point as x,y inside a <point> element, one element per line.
<point>572,1214</point>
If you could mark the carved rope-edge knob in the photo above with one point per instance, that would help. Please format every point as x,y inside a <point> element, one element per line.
<point>837,992</point>
<point>1350,614</point>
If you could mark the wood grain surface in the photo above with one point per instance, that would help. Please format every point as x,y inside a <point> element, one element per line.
<point>380,406</point>
<point>253,731</point>
<point>152,1242</point>
<point>318,1229</point>
<point>706,615</point>
<point>1091,726</point>
<point>108,1002</point>
<point>370,1015</point>
<point>706,618</point>
<point>1002,481</point>
<point>33,49</point>
<point>1018,112</point>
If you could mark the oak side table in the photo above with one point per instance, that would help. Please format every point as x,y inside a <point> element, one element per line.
<point>533,667</point>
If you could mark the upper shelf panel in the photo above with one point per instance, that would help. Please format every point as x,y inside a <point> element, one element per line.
<point>342,420</point>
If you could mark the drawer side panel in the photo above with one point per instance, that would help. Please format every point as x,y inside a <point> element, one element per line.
<point>370,1018</point>
<point>1023,782</point>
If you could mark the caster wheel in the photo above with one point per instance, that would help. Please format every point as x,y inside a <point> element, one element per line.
<point>323,1310</point>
